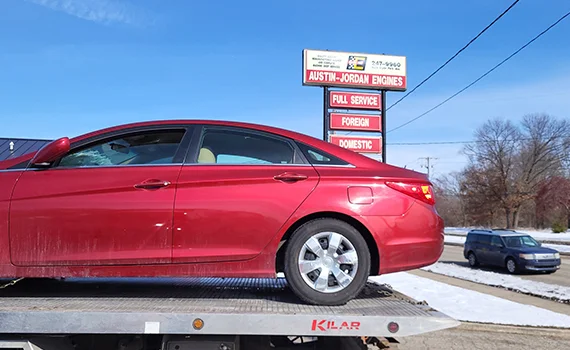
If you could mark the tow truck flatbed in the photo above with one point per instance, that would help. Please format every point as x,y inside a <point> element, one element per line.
<point>224,306</point>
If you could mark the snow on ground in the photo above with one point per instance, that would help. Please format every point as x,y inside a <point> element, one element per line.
<point>559,247</point>
<point>470,306</point>
<point>461,240</point>
<point>540,235</point>
<point>550,291</point>
<point>548,235</point>
<point>454,239</point>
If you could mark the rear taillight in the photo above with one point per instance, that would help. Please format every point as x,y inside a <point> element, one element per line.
<point>421,191</point>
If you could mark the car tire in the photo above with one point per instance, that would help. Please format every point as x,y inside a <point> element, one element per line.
<point>472,259</point>
<point>352,265</point>
<point>511,266</point>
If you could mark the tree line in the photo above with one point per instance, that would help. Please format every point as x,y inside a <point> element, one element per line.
<point>518,174</point>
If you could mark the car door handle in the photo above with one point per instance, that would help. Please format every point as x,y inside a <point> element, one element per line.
<point>152,184</point>
<point>290,177</point>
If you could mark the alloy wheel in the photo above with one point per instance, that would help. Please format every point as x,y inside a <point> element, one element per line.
<point>328,262</point>
<point>511,266</point>
<point>472,259</point>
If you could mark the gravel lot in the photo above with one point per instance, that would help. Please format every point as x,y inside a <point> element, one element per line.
<point>478,336</point>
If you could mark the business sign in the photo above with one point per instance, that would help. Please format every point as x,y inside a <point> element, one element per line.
<point>354,100</point>
<point>355,122</point>
<point>358,70</point>
<point>360,144</point>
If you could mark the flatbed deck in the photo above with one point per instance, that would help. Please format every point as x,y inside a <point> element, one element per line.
<point>225,306</point>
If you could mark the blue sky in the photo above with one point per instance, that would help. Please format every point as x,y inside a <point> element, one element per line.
<point>71,66</point>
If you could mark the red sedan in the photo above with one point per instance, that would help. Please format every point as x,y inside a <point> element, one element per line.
<point>212,198</point>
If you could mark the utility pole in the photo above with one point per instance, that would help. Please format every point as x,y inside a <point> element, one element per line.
<point>428,166</point>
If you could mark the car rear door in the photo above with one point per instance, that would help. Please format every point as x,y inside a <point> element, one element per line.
<point>483,246</point>
<point>236,192</point>
<point>495,255</point>
<point>108,201</point>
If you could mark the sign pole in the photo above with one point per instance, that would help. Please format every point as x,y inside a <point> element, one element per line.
<point>325,113</point>
<point>383,97</point>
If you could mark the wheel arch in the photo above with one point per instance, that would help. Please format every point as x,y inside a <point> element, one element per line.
<point>370,242</point>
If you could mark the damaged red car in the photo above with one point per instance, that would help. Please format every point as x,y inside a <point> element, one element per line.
<point>187,198</point>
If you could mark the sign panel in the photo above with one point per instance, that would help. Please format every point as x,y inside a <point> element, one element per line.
<point>360,144</point>
<point>354,100</point>
<point>349,69</point>
<point>355,122</point>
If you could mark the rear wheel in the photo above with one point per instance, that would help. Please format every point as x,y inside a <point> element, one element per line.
<point>327,262</point>
<point>473,262</point>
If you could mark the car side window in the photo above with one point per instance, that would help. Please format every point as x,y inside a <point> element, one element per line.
<point>318,157</point>
<point>485,239</point>
<point>472,238</point>
<point>496,241</point>
<point>155,147</point>
<point>236,146</point>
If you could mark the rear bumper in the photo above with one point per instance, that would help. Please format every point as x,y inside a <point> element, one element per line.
<point>410,241</point>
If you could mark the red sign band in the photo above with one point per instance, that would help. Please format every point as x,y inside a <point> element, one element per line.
<point>360,144</point>
<point>355,122</point>
<point>353,100</point>
<point>363,80</point>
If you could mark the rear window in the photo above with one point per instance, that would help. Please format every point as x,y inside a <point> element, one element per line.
<point>479,238</point>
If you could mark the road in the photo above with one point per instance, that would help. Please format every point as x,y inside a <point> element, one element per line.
<point>454,254</point>
<point>479,336</point>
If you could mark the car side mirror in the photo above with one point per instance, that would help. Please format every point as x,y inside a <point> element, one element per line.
<point>51,152</point>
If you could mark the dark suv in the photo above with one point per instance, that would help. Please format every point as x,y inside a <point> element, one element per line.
<point>516,251</point>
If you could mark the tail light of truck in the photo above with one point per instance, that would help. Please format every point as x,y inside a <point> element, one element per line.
<point>420,191</point>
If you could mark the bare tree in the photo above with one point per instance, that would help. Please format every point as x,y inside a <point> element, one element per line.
<point>552,200</point>
<point>450,202</point>
<point>481,204</point>
<point>508,163</point>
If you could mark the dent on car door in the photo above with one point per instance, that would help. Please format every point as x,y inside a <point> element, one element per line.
<point>236,193</point>
<point>109,201</point>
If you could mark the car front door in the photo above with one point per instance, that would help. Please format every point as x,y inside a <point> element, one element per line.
<point>108,201</point>
<point>236,193</point>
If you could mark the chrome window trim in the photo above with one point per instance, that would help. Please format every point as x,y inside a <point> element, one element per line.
<point>335,166</point>
<point>102,167</point>
<point>176,164</point>
<point>272,164</point>
<point>10,170</point>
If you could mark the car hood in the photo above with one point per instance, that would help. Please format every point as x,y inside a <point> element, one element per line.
<point>535,250</point>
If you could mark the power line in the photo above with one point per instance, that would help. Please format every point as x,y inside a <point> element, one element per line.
<point>456,54</point>
<point>463,142</point>
<point>484,75</point>
<point>430,143</point>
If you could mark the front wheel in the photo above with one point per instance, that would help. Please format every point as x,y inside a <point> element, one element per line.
<point>512,266</point>
<point>327,262</point>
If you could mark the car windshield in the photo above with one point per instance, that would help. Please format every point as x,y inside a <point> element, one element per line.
<point>520,242</point>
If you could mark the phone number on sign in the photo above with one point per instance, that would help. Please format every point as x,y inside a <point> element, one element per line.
<point>385,64</point>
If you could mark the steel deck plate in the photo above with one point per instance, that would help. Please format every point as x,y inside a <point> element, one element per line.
<point>227,306</point>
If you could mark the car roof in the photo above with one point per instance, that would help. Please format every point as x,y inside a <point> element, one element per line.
<point>497,232</point>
